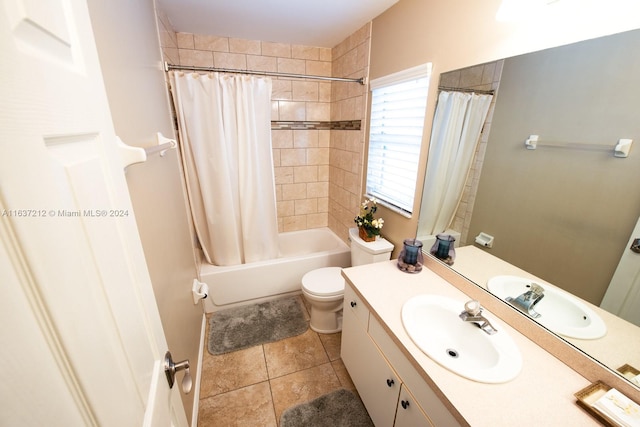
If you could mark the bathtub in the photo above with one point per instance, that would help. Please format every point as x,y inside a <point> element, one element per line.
<point>301,252</point>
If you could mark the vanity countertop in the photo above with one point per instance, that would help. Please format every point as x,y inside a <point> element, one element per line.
<point>479,266</point>
<point>542,394</point>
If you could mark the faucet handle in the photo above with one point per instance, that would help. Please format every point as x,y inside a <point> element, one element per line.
<point>473,307</point>
<point>536,289</point>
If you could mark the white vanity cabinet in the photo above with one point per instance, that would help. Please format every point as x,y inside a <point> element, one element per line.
<point>382,374</point>
<point>377,384</point>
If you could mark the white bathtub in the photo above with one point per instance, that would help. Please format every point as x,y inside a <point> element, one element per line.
<point>301,252</point>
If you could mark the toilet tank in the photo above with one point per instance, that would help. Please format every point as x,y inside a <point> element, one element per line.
<point>368,252</point>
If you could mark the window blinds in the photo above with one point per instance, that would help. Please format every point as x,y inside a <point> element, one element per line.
<point>398,106</point>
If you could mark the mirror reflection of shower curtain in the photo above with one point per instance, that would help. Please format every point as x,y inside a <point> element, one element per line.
<point>456,130</point>
<point>224,123</point>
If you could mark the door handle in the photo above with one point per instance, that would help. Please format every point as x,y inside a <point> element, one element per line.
<point>635,246</point>
<point>171,368</point>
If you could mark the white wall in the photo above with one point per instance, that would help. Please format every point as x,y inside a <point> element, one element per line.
<point>128,47</point>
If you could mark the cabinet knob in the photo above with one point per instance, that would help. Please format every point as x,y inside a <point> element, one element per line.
<point>390,382</point>
<point>405,404</point>
<point>353,304</point>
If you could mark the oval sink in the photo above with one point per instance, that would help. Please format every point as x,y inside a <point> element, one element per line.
<point>559,311</point>
<point>434,325</point>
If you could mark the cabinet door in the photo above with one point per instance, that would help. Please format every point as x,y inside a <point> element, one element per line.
<point>429,401</point>
<point>409,413</point>
<point>377,384</point>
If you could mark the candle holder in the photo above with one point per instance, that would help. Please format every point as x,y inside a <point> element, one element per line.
<point>411,259</point>
<point>444,249</point>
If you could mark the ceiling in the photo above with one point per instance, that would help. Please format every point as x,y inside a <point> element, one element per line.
<point>320,23</point>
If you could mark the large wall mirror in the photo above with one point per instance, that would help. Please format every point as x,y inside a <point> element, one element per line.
<point>563,212</point>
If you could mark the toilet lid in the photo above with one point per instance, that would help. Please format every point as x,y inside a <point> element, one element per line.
<point>325,281</point>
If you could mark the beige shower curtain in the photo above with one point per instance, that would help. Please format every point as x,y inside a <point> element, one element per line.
<point>224,123</point>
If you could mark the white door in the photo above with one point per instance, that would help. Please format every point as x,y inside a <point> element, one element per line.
<point>82,342</point>
<point>623,295</point>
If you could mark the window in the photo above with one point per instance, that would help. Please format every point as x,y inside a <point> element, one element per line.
<point>398,106</point>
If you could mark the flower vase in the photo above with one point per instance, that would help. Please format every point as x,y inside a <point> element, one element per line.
<point>364,236</point>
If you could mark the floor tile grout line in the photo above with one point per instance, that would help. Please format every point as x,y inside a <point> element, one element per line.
<point>273,402</point>
<point>298,371</point>
<point>324,347</point>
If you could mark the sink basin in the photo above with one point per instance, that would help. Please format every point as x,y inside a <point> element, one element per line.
<point>434,325</point>
<point>560,312</point>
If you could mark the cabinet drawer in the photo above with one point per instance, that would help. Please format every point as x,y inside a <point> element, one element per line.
<point>353,303</point>
<point>428,400</point>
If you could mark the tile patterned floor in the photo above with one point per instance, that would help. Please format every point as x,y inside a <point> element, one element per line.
<point>252,387</point>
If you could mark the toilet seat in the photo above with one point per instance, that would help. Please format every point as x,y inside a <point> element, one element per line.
<point>324,282</point>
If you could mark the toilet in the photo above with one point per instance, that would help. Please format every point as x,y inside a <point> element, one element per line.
<point>323,288</point>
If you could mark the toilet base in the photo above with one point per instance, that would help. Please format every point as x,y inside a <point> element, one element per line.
<point>325,322</point>
<point>323,289</point>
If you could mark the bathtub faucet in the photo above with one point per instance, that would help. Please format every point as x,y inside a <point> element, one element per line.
<point>526,301</point>
<point>473,313</point>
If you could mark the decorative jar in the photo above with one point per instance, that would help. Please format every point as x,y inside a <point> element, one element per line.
<point>411,259</point>
<point>444,248</point>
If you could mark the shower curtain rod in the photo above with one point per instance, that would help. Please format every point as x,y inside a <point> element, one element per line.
<point>168,67</point>
<point>455,89</point>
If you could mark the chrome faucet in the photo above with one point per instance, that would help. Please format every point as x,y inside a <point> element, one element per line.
<point>473,313</point>
<point>526,301</point>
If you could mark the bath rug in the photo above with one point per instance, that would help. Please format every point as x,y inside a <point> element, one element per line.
<point>340,408</point>
<point>247,326</point>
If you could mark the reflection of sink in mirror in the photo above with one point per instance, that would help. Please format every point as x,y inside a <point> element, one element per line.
<point>434,325</point>
<point>559,311</point>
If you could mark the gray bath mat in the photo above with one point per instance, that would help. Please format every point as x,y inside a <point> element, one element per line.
<point>248,326</point>
<point>340,408</point>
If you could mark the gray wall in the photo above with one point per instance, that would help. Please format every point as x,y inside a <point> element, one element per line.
<point>564,214</point>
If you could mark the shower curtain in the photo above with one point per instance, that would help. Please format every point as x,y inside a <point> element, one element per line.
<point>224,124</point>
<point>456,129</point>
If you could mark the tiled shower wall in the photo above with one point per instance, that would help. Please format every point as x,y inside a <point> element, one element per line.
<point>318,171</point>
<point>349,102</point>
<point>479,77</point>
<point>168,38</point>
